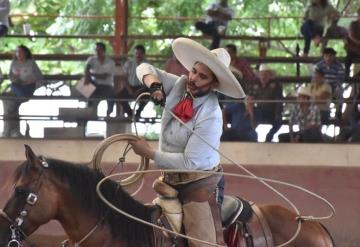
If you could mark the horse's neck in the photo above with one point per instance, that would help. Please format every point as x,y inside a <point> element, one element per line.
<point>78,223</point>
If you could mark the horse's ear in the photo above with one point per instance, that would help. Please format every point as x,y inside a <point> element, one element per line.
<point>31,156</point>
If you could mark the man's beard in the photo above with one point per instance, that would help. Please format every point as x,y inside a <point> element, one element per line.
<point>199,92</point>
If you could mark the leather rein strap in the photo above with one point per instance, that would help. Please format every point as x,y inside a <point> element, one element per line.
<point>6,216</point>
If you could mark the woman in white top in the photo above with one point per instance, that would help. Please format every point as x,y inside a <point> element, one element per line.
<point>24,74</point>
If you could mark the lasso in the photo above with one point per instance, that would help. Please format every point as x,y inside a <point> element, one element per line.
<point>251,175</point>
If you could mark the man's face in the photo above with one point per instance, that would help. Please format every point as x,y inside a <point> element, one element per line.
<point>329,58</point>
<point>231,52</point>
<point>303,100</point>
<point>20,54</point>
<point>139,55</point>
<point>201,80</point>
<point>265,77</point>
<point>99,51</point>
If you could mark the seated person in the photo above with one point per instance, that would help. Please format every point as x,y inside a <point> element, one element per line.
<point>334,74</point>
<point>321,91</point>
<point>265,112</point>
<point>173,66</point>
<point>100,71</point>
<point>24,74</point>
<point>249,77</point>
<point>217,17</point>
<point>241,123</point>
<point>132,86</point>
<point>4,17</point>
<point>352,46</point>
<point>235,114</point>
<point>317,14</point>
<point>306,115</point>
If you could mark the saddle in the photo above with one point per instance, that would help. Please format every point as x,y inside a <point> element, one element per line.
<point>243,223</point>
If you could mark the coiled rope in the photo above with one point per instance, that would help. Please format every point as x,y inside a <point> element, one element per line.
<point>250,175</point>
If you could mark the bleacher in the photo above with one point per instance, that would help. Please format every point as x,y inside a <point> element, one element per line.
<point>81,115</point>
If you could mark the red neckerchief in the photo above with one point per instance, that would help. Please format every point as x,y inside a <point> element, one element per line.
<point>184,109</point>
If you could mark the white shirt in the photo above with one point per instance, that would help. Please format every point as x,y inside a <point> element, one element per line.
<point>220,8</point>
<point>108,67</point>
<point>179,147</point>
<point>4,12</point>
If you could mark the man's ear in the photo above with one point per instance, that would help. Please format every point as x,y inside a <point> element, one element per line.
<point>215,84</point>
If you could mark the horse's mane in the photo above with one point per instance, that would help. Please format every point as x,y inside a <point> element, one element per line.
<point>82,182</point>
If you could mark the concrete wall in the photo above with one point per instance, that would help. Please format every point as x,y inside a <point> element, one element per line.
<point>346,155</point>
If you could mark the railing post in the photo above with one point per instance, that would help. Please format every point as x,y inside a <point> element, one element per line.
<point>297,62</point>
<point>121,27</point>
<point>263,44</point>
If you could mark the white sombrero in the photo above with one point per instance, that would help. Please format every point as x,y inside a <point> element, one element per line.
<point>304,90</point>
<point>188,52</point>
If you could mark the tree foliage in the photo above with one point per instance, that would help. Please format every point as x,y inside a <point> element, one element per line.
<point>57,23</point>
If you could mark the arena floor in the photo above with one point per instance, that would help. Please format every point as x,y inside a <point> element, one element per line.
<point>339,185</point>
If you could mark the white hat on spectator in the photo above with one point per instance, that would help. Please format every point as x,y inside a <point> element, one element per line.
<point>264,67</point>
<point>304,90</point>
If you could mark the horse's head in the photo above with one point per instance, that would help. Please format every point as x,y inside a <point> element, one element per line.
<point>32,203</point>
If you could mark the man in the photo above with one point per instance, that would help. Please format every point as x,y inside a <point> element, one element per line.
<point>334,74</point>
<point>265,112</point>
<point>193,100</point>
<point>307,116</point>
<point>99,70</point>
<point>173,66</point>
<point>132,85</point>
<point>242,65</point>
<point>4,17</point>
<point>241,124</point>
<point>217,17</point>
<point>321,92</point>
<point>352,44</point>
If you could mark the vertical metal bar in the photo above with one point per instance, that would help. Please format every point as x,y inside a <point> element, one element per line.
<point>121,27</point>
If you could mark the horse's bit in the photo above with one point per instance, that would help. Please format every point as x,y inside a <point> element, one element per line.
<point>17,234</point>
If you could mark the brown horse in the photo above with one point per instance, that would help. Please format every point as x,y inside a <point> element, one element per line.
<point>48,189</point>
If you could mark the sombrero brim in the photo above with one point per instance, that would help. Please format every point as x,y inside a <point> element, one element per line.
<point>188,52</point>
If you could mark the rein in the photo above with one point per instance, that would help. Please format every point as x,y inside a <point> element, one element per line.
<point>65,243</point>
<point>17,233</point>
<point>251,175</point>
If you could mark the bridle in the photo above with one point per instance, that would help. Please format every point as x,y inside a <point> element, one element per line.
<point>17,233</point>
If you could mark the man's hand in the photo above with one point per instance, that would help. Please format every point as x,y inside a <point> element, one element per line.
<point>157,93</point>
<point>142,148</point>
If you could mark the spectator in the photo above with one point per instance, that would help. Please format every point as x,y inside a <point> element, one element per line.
<point>334,75</point>
<point>267,113</point>
<point>321,91</point>
<point>242,124</point>
<point>335,30</point>
<point>317,13</point>
<point>132,85</point>
<point>306,115</point>
<point>4,17</point>
<point>173,66</point>
<point>352,44</point>
<point>99,71</point>
<point>24,74</point>
<point>242,65</point>
<point>217,17</point>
